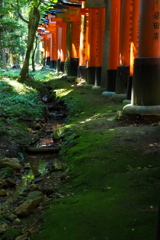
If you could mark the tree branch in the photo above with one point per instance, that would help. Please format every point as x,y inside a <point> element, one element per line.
<point>40,1</point>
<point>20,15</point>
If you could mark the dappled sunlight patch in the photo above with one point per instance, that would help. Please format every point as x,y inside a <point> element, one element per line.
<point>12,73</point>
<point>44,75</point>
<point>87,120</point>
<point>19,87</point>
<point>63,92</point>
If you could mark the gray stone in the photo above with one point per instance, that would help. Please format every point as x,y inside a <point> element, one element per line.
<point>108,94</point>
<point>33,187</point>
<point>3,192</point>
<point>23,237</point>
<point>17,221</point>
<point>27,207</point>
<point>118,97</point>
<point>10,162</point>
<point>35,195</point>
<point>3,228</point>
<point>33,200</point>
<point>10,216</point>
<point>142,110</point>
<point>58,165</point>
<point>10,182</point>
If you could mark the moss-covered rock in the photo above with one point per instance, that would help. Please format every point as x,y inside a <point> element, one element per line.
<point>11,234</point>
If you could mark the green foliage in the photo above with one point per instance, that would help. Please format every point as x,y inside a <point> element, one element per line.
<point>19,106</point>
<point>11,234</point>
<point>12,34</point>
<point>19,100</point>
<point>6,172</point>
<point>13,74</point>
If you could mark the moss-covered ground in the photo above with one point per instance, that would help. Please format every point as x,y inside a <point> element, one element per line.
<point>111,187</point>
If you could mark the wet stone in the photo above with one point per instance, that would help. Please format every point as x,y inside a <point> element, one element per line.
<point>10,182</point>
<point>17,221</point>
<point>33,187</point>
<point>3,183</point>
<point>27,207</point>
<point>10,216</point>
<point>23,237</point>
<point>3,228</point>
<point>2,193</point>
<point>10,162</point>
<point>36,180</point>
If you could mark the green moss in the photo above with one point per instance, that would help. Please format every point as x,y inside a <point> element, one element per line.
<point>97,215</point>
<point>6,172</point>
<point>11,234</point>
<point>111,191</point>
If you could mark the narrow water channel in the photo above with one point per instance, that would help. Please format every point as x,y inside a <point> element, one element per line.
<point>40,156</point>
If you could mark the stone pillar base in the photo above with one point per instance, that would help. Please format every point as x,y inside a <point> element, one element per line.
<point>97,88</point>
<point>108,94</point>
<point>98,76</point>
<point>90,71</point>
<point>111,80</point>
<point>82,72</point>
<point>94,76</point>
<point>146,81</point>
<point>53,64</point>
<point>74,66</point>
<point>122,79</point>
<point>119,97</point>
<point>142,110</point>
<point>48,61</point>
<point>129,87</point>
<point>62,66</point>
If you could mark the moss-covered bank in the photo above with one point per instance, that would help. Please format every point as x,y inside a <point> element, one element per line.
<point>111,187</point>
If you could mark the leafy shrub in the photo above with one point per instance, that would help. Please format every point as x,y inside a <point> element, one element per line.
<point>6,172</point>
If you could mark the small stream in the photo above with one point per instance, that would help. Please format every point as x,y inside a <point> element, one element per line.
<point>40,155</point>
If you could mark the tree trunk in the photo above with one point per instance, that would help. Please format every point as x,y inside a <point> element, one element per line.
<point>2,48</point>
<point>34,17</point>
<point>33,54</point>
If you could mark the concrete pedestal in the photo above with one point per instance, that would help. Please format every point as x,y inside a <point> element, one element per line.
<point>53,64</point>
<point>82,72</point>
<point>142,110</point>
<point>48,61</point>
<point>129,87</point>
<point>122,79</point>
<point>90,75</point>
<point>111,80</point>
<point>146,82</point>
<point>61,66</point>
<point>74,66</point>
<point>98,77</point>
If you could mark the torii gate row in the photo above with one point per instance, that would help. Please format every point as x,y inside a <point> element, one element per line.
<point>108,42</point>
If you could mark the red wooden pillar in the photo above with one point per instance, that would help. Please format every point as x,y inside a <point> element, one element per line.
<point>44,47</point>
<point>146,79</point>
<point>59,35</point>
<point>54,52</point>
<point>125,41</point>
<point>63,46</point>
<point>101,25</point>
<point>83,44</point>
<point>100,43</point>
<point>96,21</point>
<point>113,61</point>
<point>133,44</point>
<point>92,44</point>
<point>48,39</point>
<point>75,42</point>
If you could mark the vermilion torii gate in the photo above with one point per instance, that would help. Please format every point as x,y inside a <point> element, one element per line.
<point>107,43</point>
<point>146,78</point>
